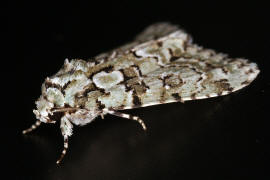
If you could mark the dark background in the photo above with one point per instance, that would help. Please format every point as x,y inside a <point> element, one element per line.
<point>218,138</point>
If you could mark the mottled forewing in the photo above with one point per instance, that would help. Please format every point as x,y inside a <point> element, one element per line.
<point>172,69</point>
<point>165,68</point>
<point>152,32</point>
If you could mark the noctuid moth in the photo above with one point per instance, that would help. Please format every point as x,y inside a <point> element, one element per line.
<point>161,65</point>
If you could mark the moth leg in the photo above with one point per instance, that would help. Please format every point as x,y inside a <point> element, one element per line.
<point>64,150</point>
<point>66,129</point>
<point>127,116</point>
<point>33,127</point>
<point>102,116</point>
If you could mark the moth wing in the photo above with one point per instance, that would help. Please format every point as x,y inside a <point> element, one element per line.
<point>156,31</point>
<point>162,66</point>
<point>152,32</point>
<point>187,79</point>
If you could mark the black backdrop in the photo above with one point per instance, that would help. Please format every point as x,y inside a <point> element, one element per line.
<point>217,138</point>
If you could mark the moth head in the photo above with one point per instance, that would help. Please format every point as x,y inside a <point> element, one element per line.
<point>52,96</point>
<point>50,100</point>
<point>59,95</point>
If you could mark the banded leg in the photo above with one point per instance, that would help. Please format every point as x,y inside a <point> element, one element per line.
<point>64,150</point>
<point>66,129</point>
<point>33,127</point>
<point>127,116</point>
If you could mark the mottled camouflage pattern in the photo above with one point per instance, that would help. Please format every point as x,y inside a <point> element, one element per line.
<point>160,66</point>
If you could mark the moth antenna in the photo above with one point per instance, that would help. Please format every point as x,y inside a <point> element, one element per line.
<point>64,150</point>
<point>127,116</point>
<point>33,127</point>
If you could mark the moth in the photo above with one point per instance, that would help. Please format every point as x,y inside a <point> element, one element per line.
<point>160,66</point>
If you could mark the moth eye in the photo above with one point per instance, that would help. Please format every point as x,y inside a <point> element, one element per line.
<point>55,96</point>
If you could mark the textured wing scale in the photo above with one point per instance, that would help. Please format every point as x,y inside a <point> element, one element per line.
<point>172,69</point>
<point>182,82</point>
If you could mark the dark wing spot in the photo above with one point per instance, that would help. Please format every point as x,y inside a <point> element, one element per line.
<point>225,71</point>
<point>173,58</point>
<point>159,43</point>
<point>249,71</point>
<point>177,97</point>
<point>100,105</point>
<point>193,96</point>
<point>136,100</point>
<point>107,69</point>
<point>245,82</point>
<point>230,89</point>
